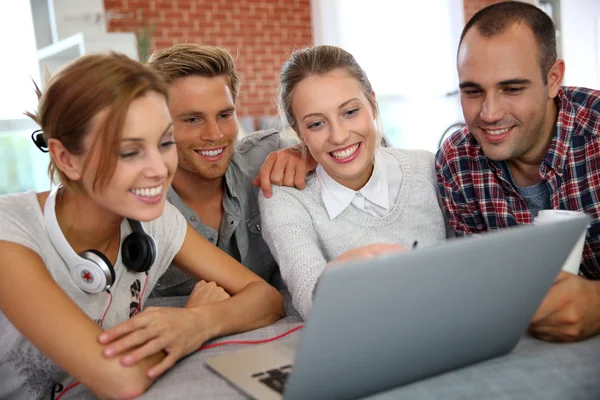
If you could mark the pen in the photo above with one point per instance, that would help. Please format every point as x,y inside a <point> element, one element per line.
<point>415,243</point>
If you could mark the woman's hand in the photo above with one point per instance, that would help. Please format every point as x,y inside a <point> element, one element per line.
<point>176,331</point>
<point>369,251</point>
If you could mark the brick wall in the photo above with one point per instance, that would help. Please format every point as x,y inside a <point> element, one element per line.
<point>472,6</point>
<point>259,33</point>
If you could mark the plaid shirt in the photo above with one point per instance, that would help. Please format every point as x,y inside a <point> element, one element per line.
<point>478,196</point>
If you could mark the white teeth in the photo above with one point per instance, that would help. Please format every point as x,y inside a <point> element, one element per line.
<point>211,153</point>
<point>497,131</point>
<point>345,153</point>
<point>148,192</point>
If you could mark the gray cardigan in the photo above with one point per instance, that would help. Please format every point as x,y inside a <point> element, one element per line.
<point>303,239</point>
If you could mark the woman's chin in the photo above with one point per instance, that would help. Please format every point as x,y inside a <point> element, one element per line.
<point>145,215</point>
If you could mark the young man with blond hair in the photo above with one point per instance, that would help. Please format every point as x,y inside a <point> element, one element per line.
<point>213,184</point>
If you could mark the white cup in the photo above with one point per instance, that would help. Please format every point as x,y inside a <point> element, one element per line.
<point>572,263</point>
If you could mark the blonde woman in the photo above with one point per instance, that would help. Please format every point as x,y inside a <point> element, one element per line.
<point>362,199</point>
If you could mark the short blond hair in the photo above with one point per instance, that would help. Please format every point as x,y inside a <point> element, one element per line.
<point>191,59</point>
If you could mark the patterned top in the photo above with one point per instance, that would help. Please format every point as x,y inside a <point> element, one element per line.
<point>478,195</point>
<point>25,372</point>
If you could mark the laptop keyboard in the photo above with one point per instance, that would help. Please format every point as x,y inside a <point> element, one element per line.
<point>274,378</point>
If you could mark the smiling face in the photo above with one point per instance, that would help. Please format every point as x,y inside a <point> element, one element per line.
<point>335,121</point>
<point>506,105</point>
<point>206,125</point>
<point>146,163</point>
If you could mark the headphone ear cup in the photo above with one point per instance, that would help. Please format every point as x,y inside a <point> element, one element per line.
<point>95,273</point>
<point>138,251</point>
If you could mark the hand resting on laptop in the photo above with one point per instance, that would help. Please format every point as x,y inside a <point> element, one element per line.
<point>369,251</point>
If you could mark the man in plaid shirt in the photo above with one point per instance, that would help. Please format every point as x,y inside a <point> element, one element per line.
<point>529,144</point>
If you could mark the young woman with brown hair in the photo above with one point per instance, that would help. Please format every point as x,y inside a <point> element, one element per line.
<point>108,130</point>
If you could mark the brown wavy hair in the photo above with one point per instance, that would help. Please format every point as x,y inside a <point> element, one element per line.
<point>77,93</point>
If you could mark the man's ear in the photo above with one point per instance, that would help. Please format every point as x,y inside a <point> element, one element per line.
<point>69,164</point>
<point>555,77</point>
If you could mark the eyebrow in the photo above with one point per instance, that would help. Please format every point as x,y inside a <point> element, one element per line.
<point>228,109</point>
<point>469,84</point>
<point>341,106</point>
<point>514,81</point>
<point>202,114</point>
<point>137,140</point>
<point>191,113</point>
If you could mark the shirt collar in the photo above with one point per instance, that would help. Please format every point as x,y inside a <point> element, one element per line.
<point>377,190</point>
<point>229,179</point>
<point>337,197</point>
<point>229,196</point>
<point>174,198</point>
<point>561,137</point>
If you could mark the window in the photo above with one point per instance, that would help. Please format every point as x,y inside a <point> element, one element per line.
<point>22,165</point>
<point>408,50</point>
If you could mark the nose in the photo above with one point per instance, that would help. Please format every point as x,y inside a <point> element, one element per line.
<point>338,134</point>
<point>491,110</point>
<point>156,166</point>
<point>211,132</point>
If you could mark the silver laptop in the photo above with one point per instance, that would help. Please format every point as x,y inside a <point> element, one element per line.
<point>381,323</point>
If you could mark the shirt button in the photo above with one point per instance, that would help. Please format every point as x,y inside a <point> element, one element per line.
<point>158,283</point>
<point>358,194</point>
<point>193,218</point>
<point>258,227</point>
<point>211,239</point>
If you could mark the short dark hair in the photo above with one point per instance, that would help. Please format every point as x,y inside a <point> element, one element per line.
<point>495,19</point>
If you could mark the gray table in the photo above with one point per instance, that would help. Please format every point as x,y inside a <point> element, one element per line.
<point>534,370</point>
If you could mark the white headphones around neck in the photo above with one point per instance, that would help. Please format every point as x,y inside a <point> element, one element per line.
<point>91,270</point>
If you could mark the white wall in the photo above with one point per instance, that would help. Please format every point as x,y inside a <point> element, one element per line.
<point>580,20</point>
<point>408,50</point>
<point>19,61</point>
<point>73,16</point>
<point>325,21</point>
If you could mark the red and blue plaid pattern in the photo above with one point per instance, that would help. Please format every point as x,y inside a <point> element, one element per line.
<point>478,197</point>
